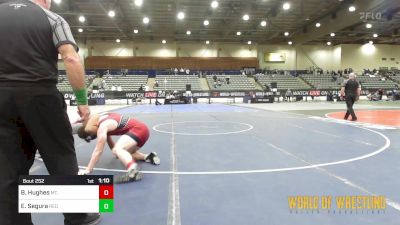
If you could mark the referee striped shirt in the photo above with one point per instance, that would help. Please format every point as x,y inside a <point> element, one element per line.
<point>29,41</point>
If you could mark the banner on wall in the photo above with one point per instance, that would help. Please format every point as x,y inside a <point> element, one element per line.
<point>274,57</point>
<point>266,99</point>
<point>263,93</point>
<point>203,94</point>
<point>93,99</point>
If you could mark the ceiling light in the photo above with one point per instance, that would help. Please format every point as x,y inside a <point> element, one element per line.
<point>249,42</point>
<point>135,31</point>
<point>246,17</point>
<point>238,33</point>
<point>371,42</point>
<point>82,19</point>
<point>286,6</point>
<point>368,26</point>
<point>57,1</point>
<point>286,33</point>
<point>214,4</point>
<point>80,30</point>
<point>375,35</point>
<point>163,41</point>
<point>118,40</point>
<point>207,42</point>
<point>181,15</point>
<point>146,20</point>
<point>290,43</point>
<point>188,32</point>
<point>332,34</point>
<point>206,22</point>
<point>263,23</point>
<point>317,24</point>
<point>111,13</point>
<point>138,2</point>
<point>352,8</point>
<point>328,43</point>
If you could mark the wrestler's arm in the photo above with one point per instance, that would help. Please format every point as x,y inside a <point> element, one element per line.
<point>101,141</point>
<point>110,142</point>
<point>358,92</point>
<point>342,90</point>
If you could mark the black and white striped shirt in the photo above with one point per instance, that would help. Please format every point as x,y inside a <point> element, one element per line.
<point>61,30</point>
<point>29,42</point>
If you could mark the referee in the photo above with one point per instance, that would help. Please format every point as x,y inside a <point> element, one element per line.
<point>351,90</point>
<point>32,110</point>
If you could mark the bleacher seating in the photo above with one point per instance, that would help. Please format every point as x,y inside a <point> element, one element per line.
<point>236,82</point>
<point>396,77</point>
<point>284,82</point>
<point>127,83</point>
<point>376,82</point>
<point>323,82</point>
<point>64,85</point>
<point>177,82</point>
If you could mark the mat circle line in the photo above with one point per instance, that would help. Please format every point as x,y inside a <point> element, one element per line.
<point>249,127</point>
<point>285,169</point>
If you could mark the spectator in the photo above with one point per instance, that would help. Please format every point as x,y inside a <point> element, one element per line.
<point>103,85</point>
<point>256,78</point>
<point>267,88</point>
<point>215,78</point>
<point>380,93</point>
<point>329,96</point>
<point>395,94</point>
<point>289,95</point>
<point>374,96</point>
<point>334,78</point>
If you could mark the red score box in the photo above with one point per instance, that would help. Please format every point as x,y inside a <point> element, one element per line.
<point>106,192</point>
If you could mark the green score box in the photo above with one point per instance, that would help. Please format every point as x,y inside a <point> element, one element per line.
<point>106,205</point>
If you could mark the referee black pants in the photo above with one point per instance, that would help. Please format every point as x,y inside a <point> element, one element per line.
<point>32,118</point>
<point>350,100</point>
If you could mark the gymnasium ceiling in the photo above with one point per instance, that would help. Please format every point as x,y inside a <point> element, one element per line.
<point>226,20</point>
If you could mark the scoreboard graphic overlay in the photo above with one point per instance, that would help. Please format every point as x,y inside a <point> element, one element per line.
<point>66,194</point>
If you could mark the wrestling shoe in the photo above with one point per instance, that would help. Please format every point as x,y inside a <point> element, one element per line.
<point>153,158</point>
<point>130,176</point>
<point>88,219</point>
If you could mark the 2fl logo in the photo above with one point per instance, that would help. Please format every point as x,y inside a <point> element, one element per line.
<point>370,16</point>
<point>17,5</point>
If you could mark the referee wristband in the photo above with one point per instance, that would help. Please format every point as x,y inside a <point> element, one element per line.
<point>81,96</point>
